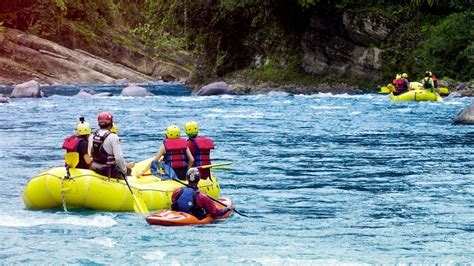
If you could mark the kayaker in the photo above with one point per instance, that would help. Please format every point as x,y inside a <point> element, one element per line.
<point>427,82</point>
<point>200,147</point>
<point>190,200</point>
<point>106,150</point>
<point>79,143</point>
<point>399,85</point>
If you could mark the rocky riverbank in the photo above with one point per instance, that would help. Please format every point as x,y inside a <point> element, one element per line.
<point>25,57</point>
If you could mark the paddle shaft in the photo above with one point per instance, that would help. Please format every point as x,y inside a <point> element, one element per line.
<point>142,207</point>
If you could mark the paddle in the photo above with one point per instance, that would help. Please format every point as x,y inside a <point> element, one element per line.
<point>222,168</point>
<point>72,159</point>
<point>211,198</point>
<point>170,174</point>
<point>213,165</point>
<point>139,206</point>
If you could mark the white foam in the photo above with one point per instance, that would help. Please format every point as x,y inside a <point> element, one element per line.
<point>291,261</point>
<point>96,221</point>
<point>154,255</point>
<point>325,107</point>
<point>278,93</point>
<point>102,241</point>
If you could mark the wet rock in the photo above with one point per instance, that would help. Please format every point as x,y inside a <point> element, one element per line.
<point>30,89</point>
<point>216,88</point>
<point>465,116</point>
<point>89,93</point>
<point>103,94</point>
<point>3,99</point>
<point>85,93</point>
<point>135,91</point>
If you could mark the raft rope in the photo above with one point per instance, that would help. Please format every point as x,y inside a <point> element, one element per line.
<point>63,198</point>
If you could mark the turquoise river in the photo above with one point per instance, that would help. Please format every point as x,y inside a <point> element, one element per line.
<point>326,179</point>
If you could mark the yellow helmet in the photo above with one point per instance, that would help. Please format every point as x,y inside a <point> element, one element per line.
<point>398,76</point>
<point>191,128</point>
<point>431,74</point>
<point>114,128</point>
<point>83,128</point>
<point>173,132</point>
<point>405,75</point>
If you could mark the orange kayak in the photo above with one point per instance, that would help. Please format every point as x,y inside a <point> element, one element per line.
<point>175,218</point>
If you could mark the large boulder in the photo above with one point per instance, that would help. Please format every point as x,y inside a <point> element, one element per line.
<point>465,116</point>
<point>85,93</point>
<point>135,91</point>
<point>3,99</point>
<point>102,94</point>
<point>216,88</point>
<point>30,89</point>
<point>89,93</point>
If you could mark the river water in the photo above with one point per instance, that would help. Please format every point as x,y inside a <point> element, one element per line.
<point>327,179</point>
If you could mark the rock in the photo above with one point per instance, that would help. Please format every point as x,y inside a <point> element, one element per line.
<point>3,99</point>
<point>135,91</point>
<point>367,28</point>
<point>216,88</point>
<point>30,89</point>
<point>465,116</point>
<point>464,86</point>
<point>103,94</point>
<point>121,82</point>
<point>52,63</point>
<point>85,93</point>
<point>443,83</point>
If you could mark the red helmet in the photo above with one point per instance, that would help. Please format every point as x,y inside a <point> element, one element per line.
<point>104,119</point>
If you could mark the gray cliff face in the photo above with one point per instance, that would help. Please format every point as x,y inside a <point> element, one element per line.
<point>350,52</point>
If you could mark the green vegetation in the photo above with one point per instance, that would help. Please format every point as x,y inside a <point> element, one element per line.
<point>449,47</point>
<point>226,35</point>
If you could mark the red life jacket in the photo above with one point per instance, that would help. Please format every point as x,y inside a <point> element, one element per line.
<point>71,143</point>
<point>435,81</point>
<point>201,148</point>
<point>176,153</point>
<point>398,83</point>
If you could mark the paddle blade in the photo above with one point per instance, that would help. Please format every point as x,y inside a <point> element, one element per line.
<point>439,98</point>
<point>139,206</point>
<point>72,159</point>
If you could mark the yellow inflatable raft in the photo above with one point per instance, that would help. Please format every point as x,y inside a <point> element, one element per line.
<point>416,95</point>
<point>87,189</point>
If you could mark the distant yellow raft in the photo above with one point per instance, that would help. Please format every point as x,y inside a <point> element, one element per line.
<point>416,95</point>
<point>87,189</point>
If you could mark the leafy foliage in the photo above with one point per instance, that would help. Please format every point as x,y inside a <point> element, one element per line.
<point>450,46</point>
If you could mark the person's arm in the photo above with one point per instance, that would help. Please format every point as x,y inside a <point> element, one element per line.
<point>190,158</point>
<point>203,201</point>
<point>89,146</point>
<point>117,152</point>
<point>161,152</point>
